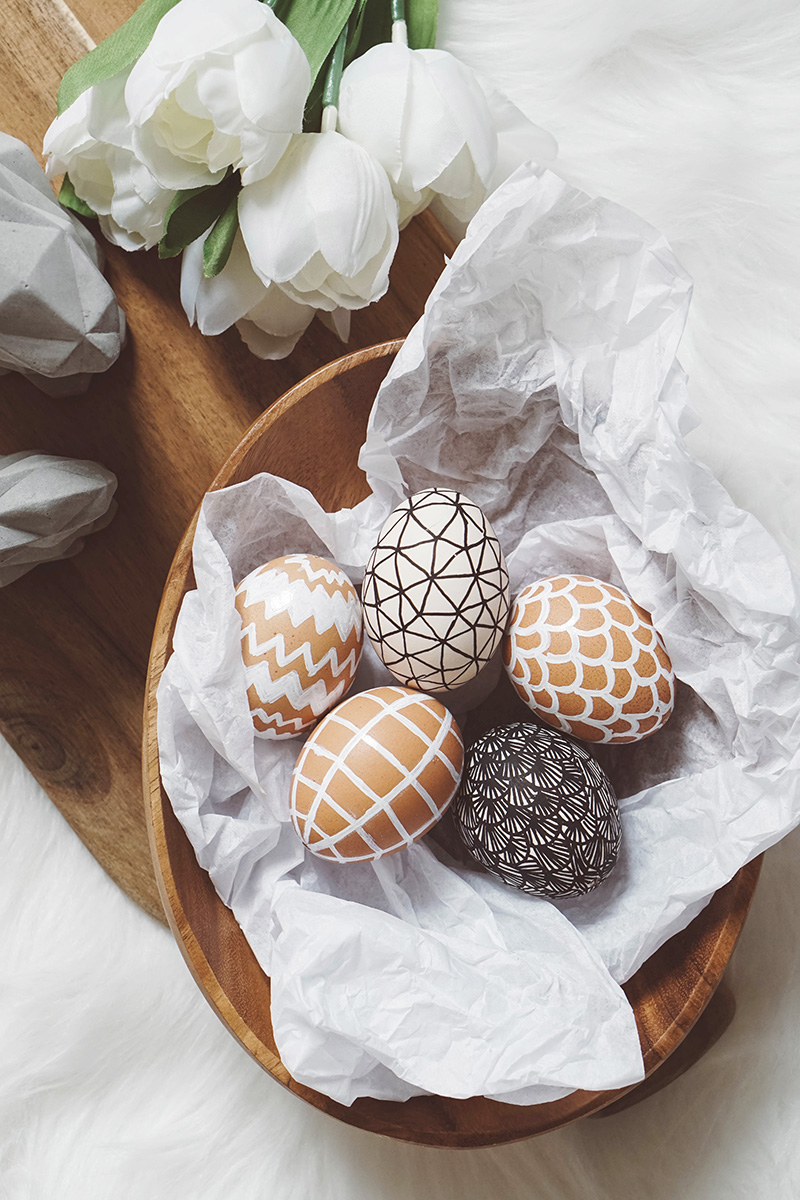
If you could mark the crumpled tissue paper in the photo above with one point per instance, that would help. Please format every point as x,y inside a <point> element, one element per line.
<point>47,507</point>
<point>59,319</point>
<point>542,381</point>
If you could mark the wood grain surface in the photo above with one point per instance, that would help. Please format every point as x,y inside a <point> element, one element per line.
<point>312,436</point>
<point>76,635</point>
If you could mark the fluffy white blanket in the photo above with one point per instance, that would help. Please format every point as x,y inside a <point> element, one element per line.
<point>116,1080</point>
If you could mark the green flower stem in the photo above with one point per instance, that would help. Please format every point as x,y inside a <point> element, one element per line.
<point>399,27</point>
<point>330,93</point>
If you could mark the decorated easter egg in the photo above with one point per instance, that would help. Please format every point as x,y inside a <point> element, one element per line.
<point>435,593</point>
<point>301,641</point>
<point>587,659</point>
<point>537,811</point>
<point>376,774</point>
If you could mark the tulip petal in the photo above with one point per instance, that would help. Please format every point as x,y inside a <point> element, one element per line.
<point>107,118</point>
<point>216,304</point>
<point>518,139</point>
<point>272,81</point>
<point>338,321</point>
<point>273,328</point>
<point>215,91</point>
<point>459,180</point>
<point>453,78</point>
<point>261,153</point>
<point>219,86</point>
<point>432,137</point>
<point>91,140</point>
<point>324,224</point>
<point>447,138</point>
<point>372,102</point>
<point>409,203</point>
<point>277,314</point>
<point>118,236</point>
<point>169,170</point>
<point>352,201</point>
<point>68,137</point>
<point>276,218</point>
<point>194,28</point>
<point>267,345</point>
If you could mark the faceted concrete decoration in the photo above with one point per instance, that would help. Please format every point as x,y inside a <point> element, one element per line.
<point>47,506</point>
<point>59,319</point>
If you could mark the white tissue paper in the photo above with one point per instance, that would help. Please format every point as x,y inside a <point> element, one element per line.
<point>542,382</point>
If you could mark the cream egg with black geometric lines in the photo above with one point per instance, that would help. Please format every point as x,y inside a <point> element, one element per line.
<point>376,774</point>
<point>302,636</point>
<point>435,593</point>
<point>587,659</point>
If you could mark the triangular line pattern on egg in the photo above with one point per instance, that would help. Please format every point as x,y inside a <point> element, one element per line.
<point>435,592</point>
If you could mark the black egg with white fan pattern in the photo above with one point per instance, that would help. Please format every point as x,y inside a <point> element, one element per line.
<point>435,593</point>
<point>538,811</point>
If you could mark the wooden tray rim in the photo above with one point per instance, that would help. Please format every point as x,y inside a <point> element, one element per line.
<point>743,883</point>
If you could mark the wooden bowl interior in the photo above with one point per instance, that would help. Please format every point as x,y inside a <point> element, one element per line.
<point>312,436</point>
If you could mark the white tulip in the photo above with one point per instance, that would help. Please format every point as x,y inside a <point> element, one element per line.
<point>220,85</point>
<point>439,130</point>
<point>423,115</point>
<point>91,140</point>
<point>518,141</point>
<point>323,225</point>
<point>268,321</point>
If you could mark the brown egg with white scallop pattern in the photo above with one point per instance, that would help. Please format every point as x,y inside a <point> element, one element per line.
<point>587,659</point>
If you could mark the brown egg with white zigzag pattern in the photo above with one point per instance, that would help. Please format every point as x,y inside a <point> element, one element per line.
<point>587,659</point>
<point>302,636</point>
<point>376,774</point>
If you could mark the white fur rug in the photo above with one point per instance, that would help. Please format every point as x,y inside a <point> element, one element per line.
<point>116,1080</point>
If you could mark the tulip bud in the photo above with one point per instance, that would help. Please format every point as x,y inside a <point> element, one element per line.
<point>220,85</point>
<point>323,225</point>
<point>423,115</point>
<point>268,321</point>
<point>91,140</point>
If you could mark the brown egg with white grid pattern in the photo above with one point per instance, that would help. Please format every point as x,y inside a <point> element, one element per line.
<point>376,774</point>
<point>587,659</point>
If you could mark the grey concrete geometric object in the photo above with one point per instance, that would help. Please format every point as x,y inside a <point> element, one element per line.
<point>47,506</point>
<point>59,319</point>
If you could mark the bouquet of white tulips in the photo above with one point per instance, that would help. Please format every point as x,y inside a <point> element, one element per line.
<point>279,147</point>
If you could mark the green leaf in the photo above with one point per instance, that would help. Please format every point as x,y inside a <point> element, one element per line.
<point>193,211</point>
<point>373,25</point>
<point>421,18</point>
<point>117,53</point>
<point>217,246</point>
<point>68,197</point>
<point>316,24</point>
<point>355,31</point>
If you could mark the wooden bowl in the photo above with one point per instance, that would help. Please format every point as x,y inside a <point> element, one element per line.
<point>312,435</point>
